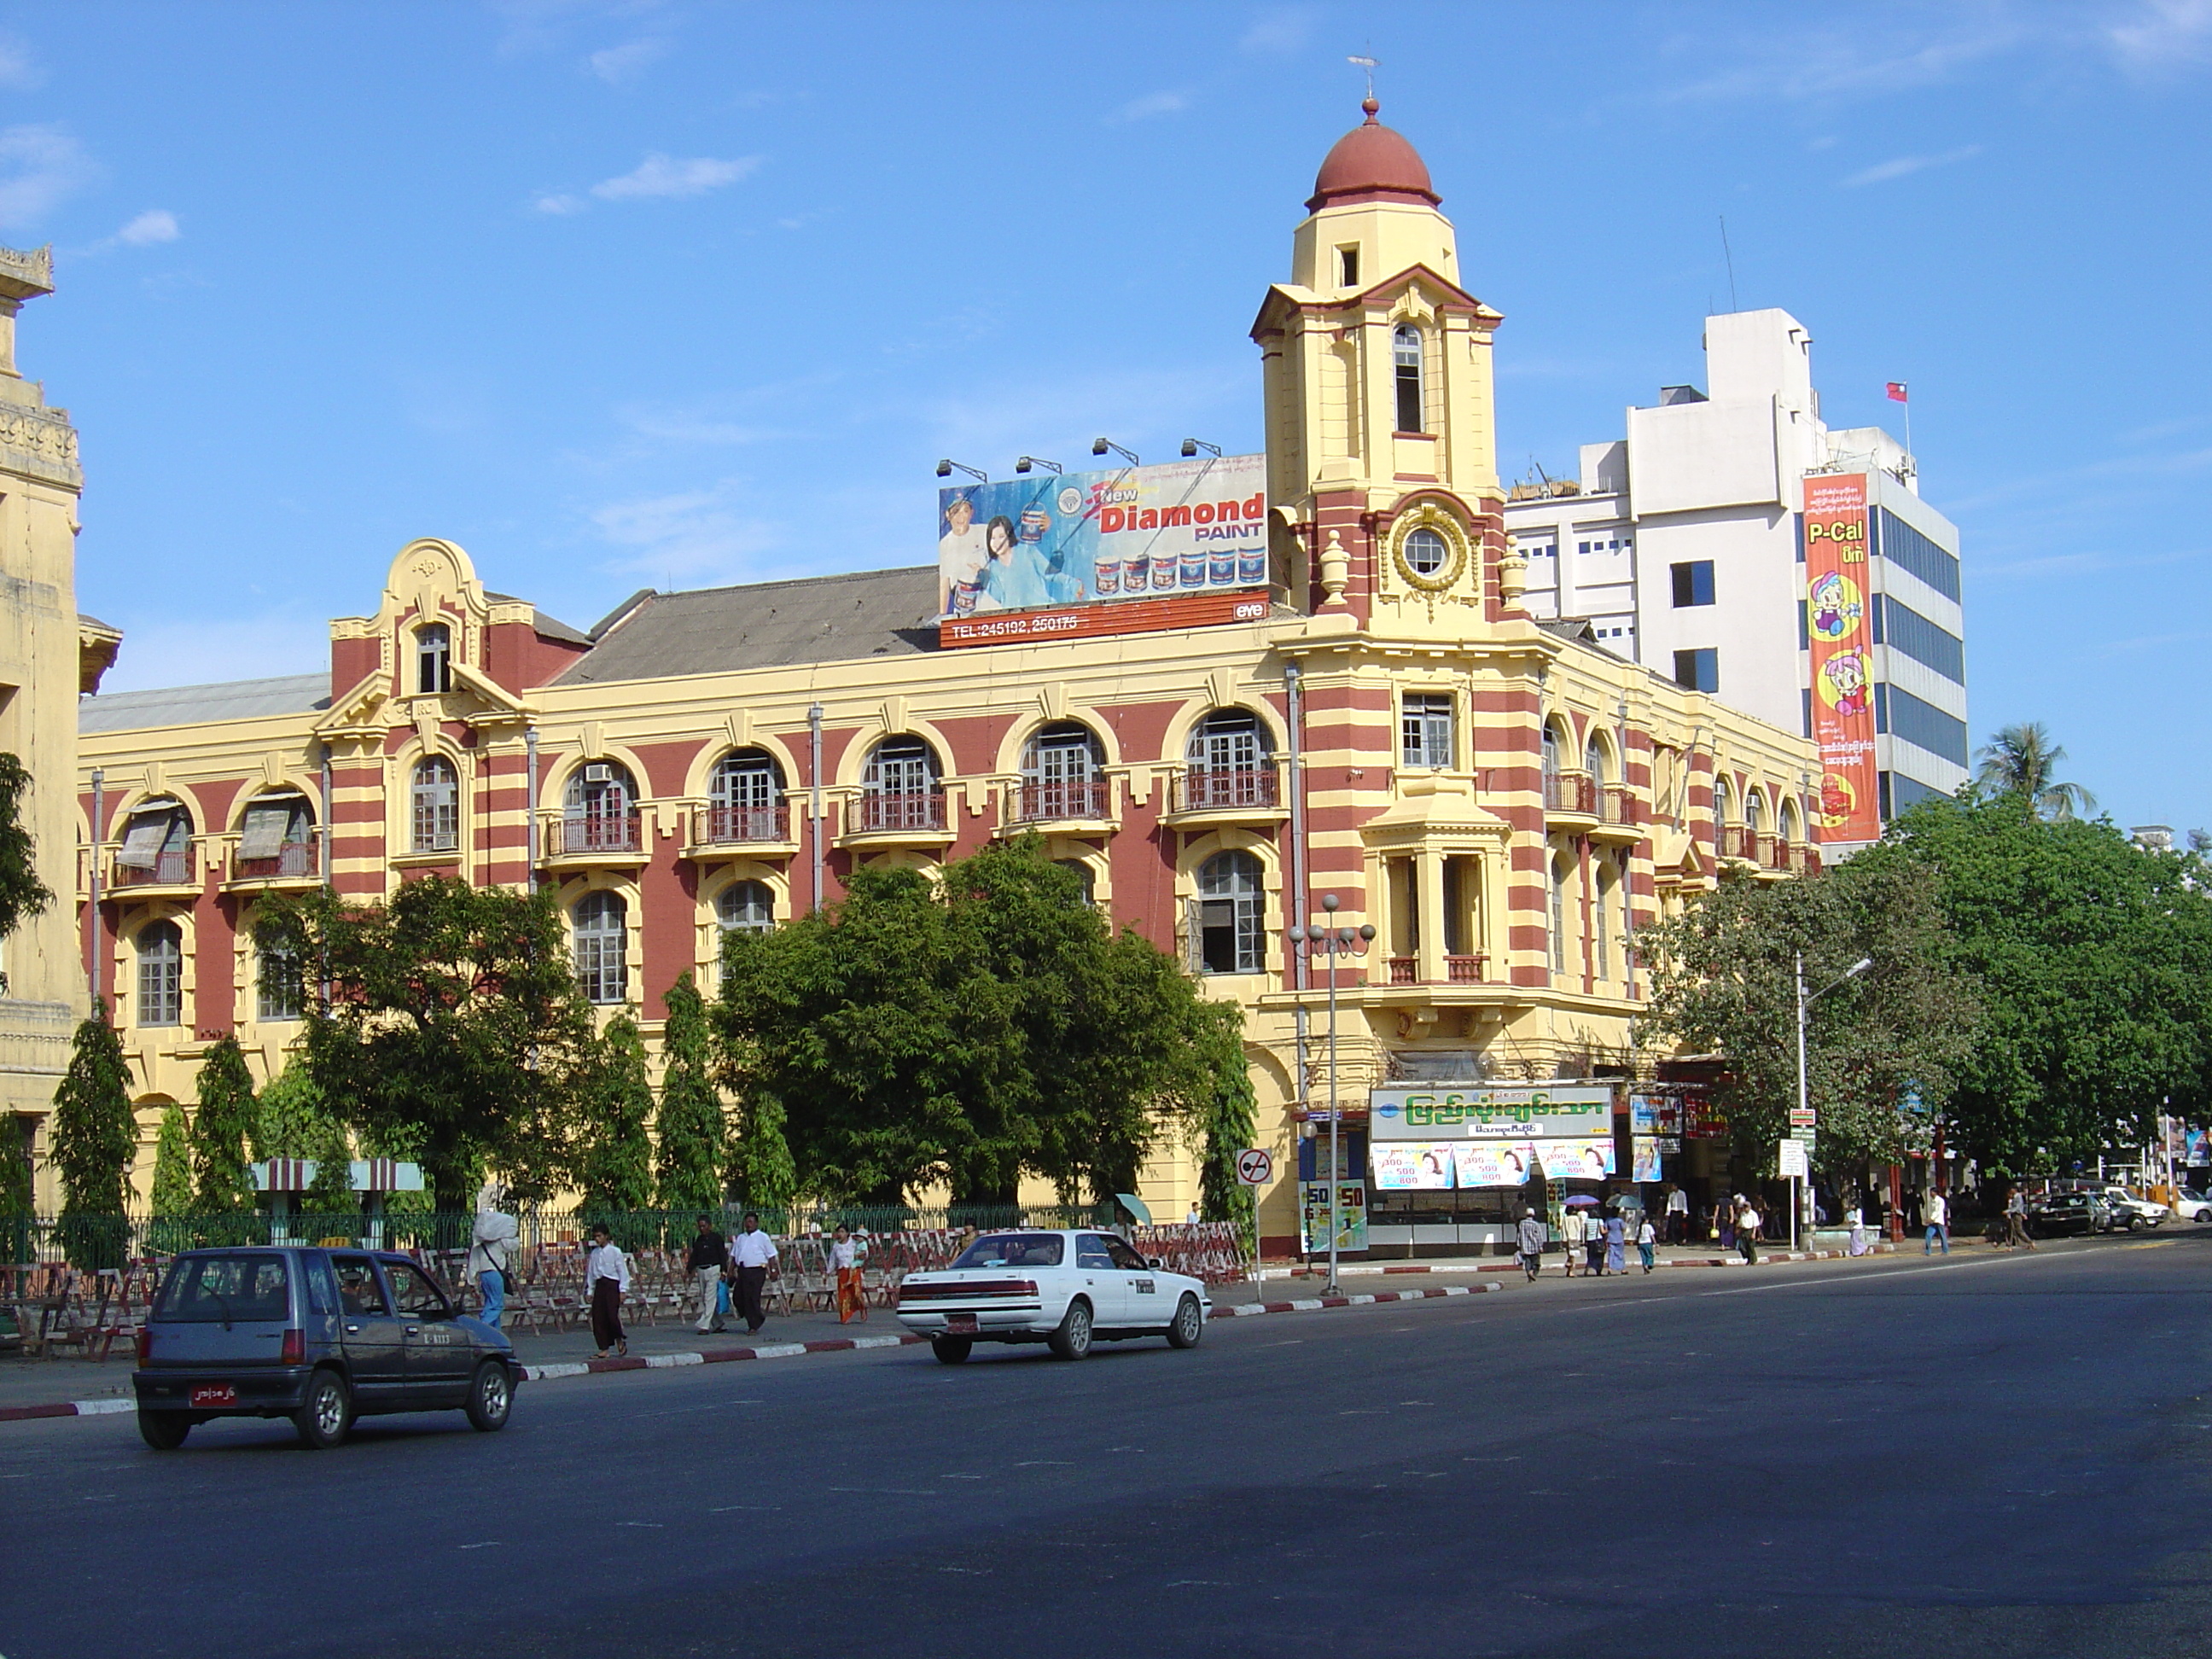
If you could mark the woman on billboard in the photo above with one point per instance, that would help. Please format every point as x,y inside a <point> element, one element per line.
<point>1011,579</point>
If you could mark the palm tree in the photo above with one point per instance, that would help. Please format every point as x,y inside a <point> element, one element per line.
<point>2021,760</point>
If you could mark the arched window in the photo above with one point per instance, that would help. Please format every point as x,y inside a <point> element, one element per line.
<point>160,973</point>
<point>1593,761</point>
<point>1551,751</point>
<point>598,809</point>
<point>157,845</point>
<point>744,797</point>
<point>1559,916</point>
<point>1229,763</point>
<point>1224,924</point>
<point>1601,914</point>
<point>1787,821</point>
<point>602,928</point>
<point>1722,803</point>
<point>1406,357</point>
<point>282,990</point>
<point>1061,774</point>
<point>436,803</point>
<point>434,657</point>
<point>746,906</point>
<point>1085,877</point>
<point>1755,812</point>
<point>899,789</point>
<point>276,838</point>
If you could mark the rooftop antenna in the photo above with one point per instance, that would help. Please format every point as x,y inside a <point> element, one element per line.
<point>1370,64</point>
<point>1731,258</point>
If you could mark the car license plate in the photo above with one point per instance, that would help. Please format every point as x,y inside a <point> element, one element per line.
<point>964,1322</point>
<point>213,1393</point>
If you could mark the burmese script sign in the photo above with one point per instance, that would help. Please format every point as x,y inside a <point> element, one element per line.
<point>1479,1111</point>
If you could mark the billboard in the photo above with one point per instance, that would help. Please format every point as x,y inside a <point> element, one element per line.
<point>1480,1111</point>
<point>1148,536</point>
<point>1848,808</point>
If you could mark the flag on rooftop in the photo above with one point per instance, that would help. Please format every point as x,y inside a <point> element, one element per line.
<point>1896,391</point>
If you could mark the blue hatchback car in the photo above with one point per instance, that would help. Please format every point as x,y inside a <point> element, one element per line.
<point>319,1336</point>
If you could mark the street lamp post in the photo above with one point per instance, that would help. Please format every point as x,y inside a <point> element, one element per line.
<point>1805,1002</point>
<point>1331,943</point>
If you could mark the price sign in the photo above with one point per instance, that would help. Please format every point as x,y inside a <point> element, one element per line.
<point>1792,1159</point>
<point>1255,1166</point>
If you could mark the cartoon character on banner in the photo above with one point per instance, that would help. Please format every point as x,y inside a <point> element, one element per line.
<point>1843,682</point>
<point>1838,800</point>
<point>1833,607</point>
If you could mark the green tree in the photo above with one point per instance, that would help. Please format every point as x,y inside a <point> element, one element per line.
<point>294,1121</point>
<point>2095,960</point>
<point>614,1102</point>
<point>447,1021</point>
<point>94,1138</point>
<point>2022,761</point>
<point>688,1130</point>
<point>222,1127</point>
<point>1227,1124</point>
<point>15,1192</point>
<point>761,1171</point>
<point>1724,981</point>
<point>968,1031</point>
<point>23,895</point>
<point>173,1165</point>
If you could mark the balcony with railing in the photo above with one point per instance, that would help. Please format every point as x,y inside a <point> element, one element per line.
<point>178,869</point>
<point>1061,801</point>
<point>1617,814</point>
<point>576,841</point>
<point>1458,969</point>
<point>296,861</point>
<point>883,818</point>
<point>1227,796</point>
<point>1570,795</point>
<point>1738,841</point>
<point>742,826</point>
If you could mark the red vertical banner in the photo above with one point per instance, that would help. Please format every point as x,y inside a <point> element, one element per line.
<point>1836,627</point>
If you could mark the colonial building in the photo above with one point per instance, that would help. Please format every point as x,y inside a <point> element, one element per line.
<point>1505,801</point>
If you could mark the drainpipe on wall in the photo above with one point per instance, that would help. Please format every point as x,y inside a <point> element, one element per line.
<point>1294,710</point>
<point>529,815</point>
<point>814,793</point>
<point>92,913</point>
<point>329,843</point>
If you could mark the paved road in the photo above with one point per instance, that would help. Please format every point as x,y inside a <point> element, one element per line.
<point>1987,1455</point>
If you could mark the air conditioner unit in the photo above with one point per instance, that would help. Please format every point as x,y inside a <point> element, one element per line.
<point>599,772</point>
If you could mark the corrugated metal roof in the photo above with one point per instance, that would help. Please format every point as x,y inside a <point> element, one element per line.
<point>196,705</point>
<point>551,627</point>
<point>712,630</point>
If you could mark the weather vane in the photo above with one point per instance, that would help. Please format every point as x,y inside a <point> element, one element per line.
<point>1370,64</point>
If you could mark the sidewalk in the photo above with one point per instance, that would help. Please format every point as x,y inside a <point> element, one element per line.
<point>77,1388</point>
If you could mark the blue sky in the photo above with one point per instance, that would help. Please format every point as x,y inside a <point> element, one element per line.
<point>621,295</point>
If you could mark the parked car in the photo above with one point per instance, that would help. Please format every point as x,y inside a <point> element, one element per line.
<point>319,1336</point>
<point>2125,1211</point>
<point>1067,1288</point>
<point>2056,1215</point>
<point>2192,1207</point>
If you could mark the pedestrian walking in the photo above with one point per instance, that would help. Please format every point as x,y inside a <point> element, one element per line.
<point>1938,1212</point>
<point>1575,1230</point>
<point>606,1280</point>
<point>1616,1252</point>
<point>1725,1217</point>
<point>2016,1218</point>
<point>706,1259</point>
<point>1677,1215</point>
<point>845,1261</point>
<point>491,1253</point>
<point>1747,1222</point>
<point>1532,1232</point>
<point>1858,1231</point>
<point>1594,1247</point>
<point>752,1250</point>
<point>1647,1237</point>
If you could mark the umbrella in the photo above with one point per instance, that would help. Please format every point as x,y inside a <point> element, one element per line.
<point>1135,1206</point>
<point>1579,1201</point>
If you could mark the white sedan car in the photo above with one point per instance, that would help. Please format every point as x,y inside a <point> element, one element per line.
<point>1067,1288</point>
<point>2192,1207</point>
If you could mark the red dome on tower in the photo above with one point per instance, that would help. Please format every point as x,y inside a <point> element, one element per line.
<point>1371,163</point>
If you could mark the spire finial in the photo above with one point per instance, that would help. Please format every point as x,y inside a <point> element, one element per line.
<point>1370,64</point>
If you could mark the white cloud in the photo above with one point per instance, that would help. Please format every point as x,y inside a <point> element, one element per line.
<point>2163,36</point>
<point>1279,31</point>
<point>668,177</point>
<point>560,204</point>
<point>154,225</point>
<point>1151,104</point>
<point>689,536</point>
<point>41,167</point>
<point>626,64</point>
<point>16,68</point>
<point>1902,166</point>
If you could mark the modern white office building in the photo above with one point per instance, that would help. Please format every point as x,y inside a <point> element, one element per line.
<point>1682,545</point>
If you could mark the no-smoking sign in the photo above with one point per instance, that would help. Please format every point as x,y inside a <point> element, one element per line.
<point>1255,1166</point>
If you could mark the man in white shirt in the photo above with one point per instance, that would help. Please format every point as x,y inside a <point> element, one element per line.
<point>752,1250</point>
<point>959,550</point>
<point>1574,1230</point>
<point>1678,1216</point>
<point>1938,1216</point>
<point>606,1280</point>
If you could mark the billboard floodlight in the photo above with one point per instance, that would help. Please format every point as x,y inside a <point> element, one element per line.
<point>1192,446</point>
<point>1028,461</point>
<point>945,468</point>
<point>1100,446</point>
